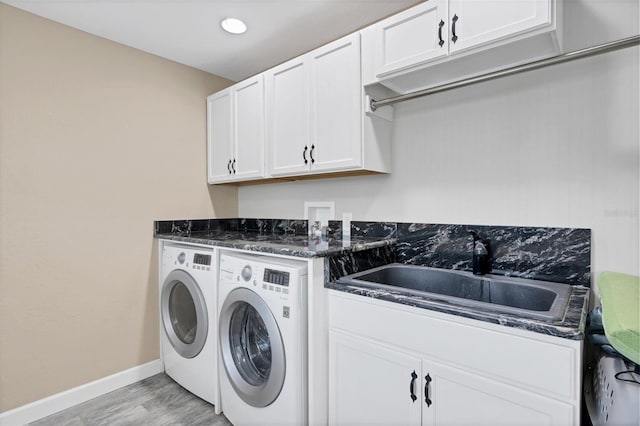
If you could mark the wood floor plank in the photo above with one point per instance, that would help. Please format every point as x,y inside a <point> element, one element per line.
<point>155,401</point>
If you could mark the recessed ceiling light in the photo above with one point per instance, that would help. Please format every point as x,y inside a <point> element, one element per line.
<point>233,26</point>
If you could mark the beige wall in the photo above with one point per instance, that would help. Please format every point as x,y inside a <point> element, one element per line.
<point>97,140</point>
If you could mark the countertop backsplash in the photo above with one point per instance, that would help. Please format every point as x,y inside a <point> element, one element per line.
<point>256,226</point>
<point>551,254</point>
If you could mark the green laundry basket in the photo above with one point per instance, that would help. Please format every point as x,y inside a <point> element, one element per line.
<point>620,300</point>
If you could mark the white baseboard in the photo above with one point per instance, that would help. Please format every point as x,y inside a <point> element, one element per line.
<point>63,400</point>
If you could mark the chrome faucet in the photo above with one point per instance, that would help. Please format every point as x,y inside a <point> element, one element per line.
<point>480,256</point>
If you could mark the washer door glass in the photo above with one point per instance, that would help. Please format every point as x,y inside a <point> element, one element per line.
<point>184,313</point>
<point>252,349</point>
<point>250,345</point>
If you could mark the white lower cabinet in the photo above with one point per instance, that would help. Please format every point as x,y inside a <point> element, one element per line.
<point>369,383</point>
<point>463,398</point>
<point>400,375</point>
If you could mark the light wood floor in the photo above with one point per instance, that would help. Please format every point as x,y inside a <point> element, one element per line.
<point>157,400</point>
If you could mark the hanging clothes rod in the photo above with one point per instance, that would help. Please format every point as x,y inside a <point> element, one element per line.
<point>565,57</point>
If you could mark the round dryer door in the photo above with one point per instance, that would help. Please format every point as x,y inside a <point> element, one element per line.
<point>184,313</point>
<point>252,349</point>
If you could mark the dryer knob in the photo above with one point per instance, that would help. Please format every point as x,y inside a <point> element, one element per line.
<point>246,273</point>
<point>182,257</point>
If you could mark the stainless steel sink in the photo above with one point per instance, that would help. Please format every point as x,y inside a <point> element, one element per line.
<point>519,296</point>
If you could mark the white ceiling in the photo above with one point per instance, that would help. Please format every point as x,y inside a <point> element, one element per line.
<point>188,31</point>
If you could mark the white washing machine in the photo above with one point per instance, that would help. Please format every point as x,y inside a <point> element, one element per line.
<point>188,319</point>
<point>263,339</point>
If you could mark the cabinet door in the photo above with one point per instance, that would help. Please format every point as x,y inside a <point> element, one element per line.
<point>412,37</point>
<point>219,137</point>
<point>369,383</point>
<point>248,108</point>
<point>488,21</point>
<point>287,105</point>
<point>336,100</point>
<point>461,398</point>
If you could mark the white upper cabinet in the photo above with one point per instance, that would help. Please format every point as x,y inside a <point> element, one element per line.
<point>475,23</point>
<point>287,104</point>
<point>219,140</point>
<point>301,118</point>
<point>288,131</point>
<point>235,132</point>
<point>248,102</point>
<point>336,110</point>
<point>442,40</point>
<point>411,37</point>
<point>315,119</point>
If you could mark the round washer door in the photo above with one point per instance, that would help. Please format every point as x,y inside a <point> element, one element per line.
<point>184,313</point>
<point>252,349</point>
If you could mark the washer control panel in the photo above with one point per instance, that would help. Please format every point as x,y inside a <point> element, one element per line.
<point>246,273</point>
<point>202,259</point>
<point>275,280</point>
<point>280,277</point>
<point>274,276</point>
<point>272,279</point>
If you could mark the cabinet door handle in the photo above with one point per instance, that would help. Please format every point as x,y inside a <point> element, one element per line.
<point>311,154</point>
<point>453,28</point>
<point>427,380</point>
<point>233,166</point>
<point>414,376</point>
<point>304,154</point>
<point>229,166</point>
<point>440,25</point>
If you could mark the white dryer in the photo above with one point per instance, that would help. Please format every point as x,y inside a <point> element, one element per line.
<point>188,319</point>
<point>263,339</point>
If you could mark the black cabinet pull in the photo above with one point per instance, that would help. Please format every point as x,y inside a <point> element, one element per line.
<point>453,28</point>
<point>304,154</point>
<point>311,154</point>
<point>233,166</point>
<point>229,166</point>
<point>440,25</point>
<point>414,376</point>
<point>427,380</point>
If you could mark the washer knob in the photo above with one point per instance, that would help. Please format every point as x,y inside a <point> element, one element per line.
<point>182,257</point>
<point>246,273</point>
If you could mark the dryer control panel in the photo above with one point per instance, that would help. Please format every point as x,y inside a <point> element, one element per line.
<point>187,258</point>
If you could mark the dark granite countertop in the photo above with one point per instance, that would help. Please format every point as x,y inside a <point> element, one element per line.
<point>570,327</point>
<point>553,254</point>
<point>284,244</point>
